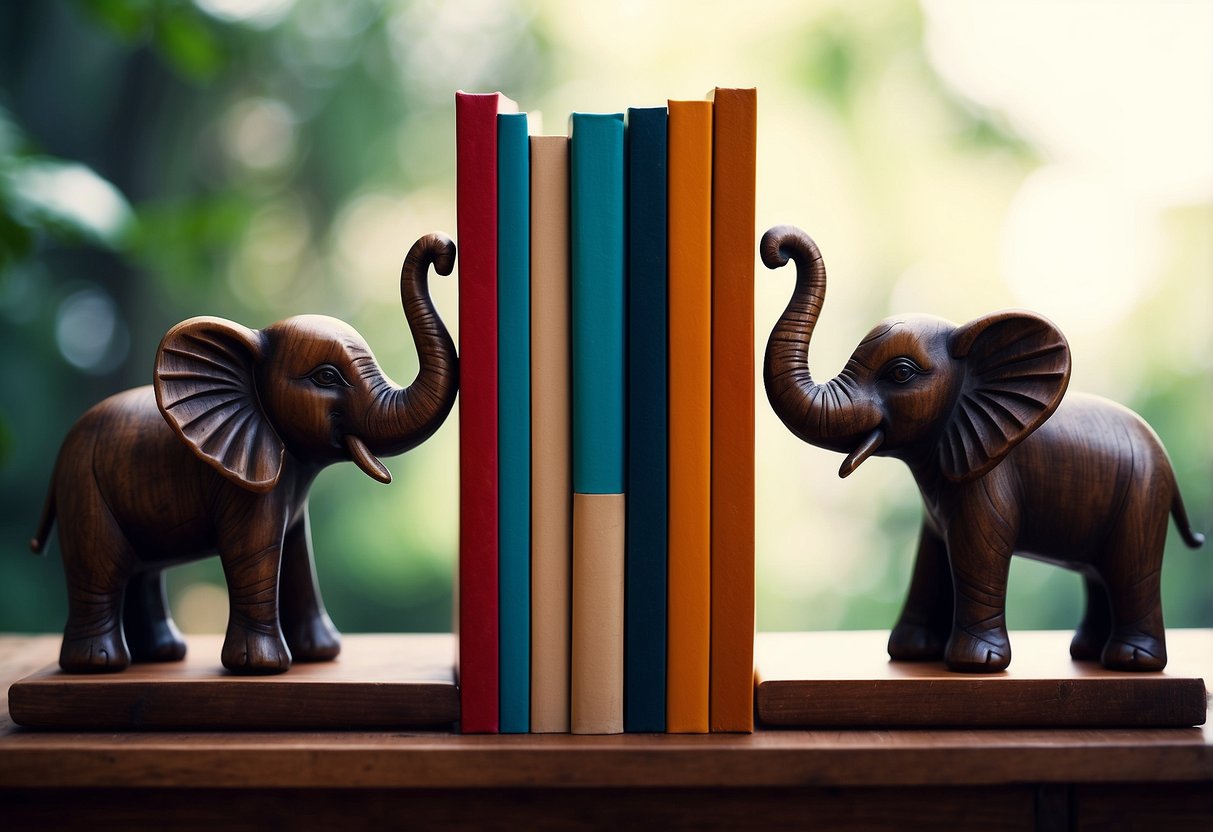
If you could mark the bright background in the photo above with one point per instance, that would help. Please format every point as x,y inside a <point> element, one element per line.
<point>259,158</point>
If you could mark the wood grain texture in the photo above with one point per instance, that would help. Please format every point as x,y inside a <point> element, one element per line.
<point>1004,465</point>
<point>988,808</point>
<point>734,160</point>
<point>767,759</point>
<point>1142,808</point>
<point>844,680</point>
<point>217,457</point>
<point>378,682</point>
<point>690,416</point>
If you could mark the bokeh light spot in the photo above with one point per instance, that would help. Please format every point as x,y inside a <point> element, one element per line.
<point>89,332</point>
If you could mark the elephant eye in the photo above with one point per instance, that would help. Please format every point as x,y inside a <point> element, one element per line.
<point>902,370</point>
<point>327,376</point>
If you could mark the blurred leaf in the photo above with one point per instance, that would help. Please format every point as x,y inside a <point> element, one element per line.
<point>15,239</point>
<point>178,31</point>
<point>831,65</point>
<point>126,18</point>
<point>66,199</point>
<point>178,239</point>
<point>189,44</point>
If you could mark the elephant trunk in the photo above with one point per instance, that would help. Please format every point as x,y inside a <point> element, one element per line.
<point>404,417</point>
<point>833,415</point>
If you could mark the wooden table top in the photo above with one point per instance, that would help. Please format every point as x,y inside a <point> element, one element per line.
<point>767,758</point>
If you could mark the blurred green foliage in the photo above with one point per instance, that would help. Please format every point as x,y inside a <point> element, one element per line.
<point>146,148</point>
<point>163,158</point>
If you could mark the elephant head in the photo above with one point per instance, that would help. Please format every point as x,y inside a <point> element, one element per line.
<point>308,386</point>
<point>942,397</point>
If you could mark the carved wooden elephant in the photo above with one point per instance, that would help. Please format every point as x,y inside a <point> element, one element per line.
<point>1003,465</point>
<point>218,455</point>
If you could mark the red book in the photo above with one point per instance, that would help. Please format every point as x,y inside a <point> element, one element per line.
<point>476,661</point>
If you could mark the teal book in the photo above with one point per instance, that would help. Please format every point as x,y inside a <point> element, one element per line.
<point>596,207</point>
<point>514,422</point>
<point>644,703</point>
<point>597,245</point>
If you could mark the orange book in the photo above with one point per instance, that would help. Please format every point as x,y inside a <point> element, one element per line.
<point>690,415</point>
<point>734,142</point>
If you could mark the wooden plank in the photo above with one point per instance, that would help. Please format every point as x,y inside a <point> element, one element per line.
<point>987,808</point>
<point>845,679</point>
<point>1129,806</point>
<point>379,681</point>
<point>409,761</point>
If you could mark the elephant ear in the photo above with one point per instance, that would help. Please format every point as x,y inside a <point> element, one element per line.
<point>205,389</point>
<point>1017,367</point>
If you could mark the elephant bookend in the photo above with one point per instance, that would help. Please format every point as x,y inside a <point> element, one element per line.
<point>1002,462</point>
<point>217,456</point>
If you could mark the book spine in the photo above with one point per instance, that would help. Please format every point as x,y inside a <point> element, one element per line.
<point>690,413</point>
<point>596,209</point>
<point>647,487</point>
<point>476,616</point>
<point>551,457</point>
<point>734,148</point>
<point>514,421</point>
<point>598,567</point>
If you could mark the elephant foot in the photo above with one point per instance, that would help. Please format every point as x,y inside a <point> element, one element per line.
<point>105,653</point>
<point>313,640</point>
<point>912,642</point>
<point>1087,646</point>
<point>1137,652</point>
<point>162,642</point>
<point>989,652</point>
<point>253,652</point>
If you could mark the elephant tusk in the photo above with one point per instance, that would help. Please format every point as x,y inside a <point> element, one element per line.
<point>366,460</point>
<point>866,448</point>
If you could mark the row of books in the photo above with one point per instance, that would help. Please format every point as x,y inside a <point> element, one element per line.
<point>606,564</point>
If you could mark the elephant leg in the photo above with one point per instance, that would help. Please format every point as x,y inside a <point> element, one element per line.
<point>925,623</point>
<point>250,546</point>
<point>979,551</point>
<point>1133,575</point>
<point>1092,634</point>
<point>97,561</point>
<point>150,632</point>
<point>306,624</point>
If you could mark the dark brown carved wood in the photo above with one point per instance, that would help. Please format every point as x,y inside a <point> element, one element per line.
<point>218,455</point>
<point>1003,465</point>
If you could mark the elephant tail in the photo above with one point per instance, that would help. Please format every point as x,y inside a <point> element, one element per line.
<point>1194,539</point>
<point>38,543</point>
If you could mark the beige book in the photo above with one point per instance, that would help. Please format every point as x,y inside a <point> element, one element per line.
<point>598,563</point>
<point>551,465</point>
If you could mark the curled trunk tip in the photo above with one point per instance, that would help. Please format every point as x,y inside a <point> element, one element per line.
<point>787,242</point>
<point>409,416</point>
<point>436,248</point>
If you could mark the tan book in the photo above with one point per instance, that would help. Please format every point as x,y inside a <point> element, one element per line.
<point>598,567</point>
<point>551,461</point>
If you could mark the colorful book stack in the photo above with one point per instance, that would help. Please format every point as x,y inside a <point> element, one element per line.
<point>606,578</point>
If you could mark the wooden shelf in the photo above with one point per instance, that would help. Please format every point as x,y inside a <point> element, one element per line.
<point>843,779</point>
<point>439,759</point>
